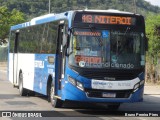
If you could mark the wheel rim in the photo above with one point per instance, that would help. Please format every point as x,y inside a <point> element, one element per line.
<point>52,95</point>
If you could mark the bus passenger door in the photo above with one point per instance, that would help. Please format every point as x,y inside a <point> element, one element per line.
<point>15,60</point>
<point>60,59</point>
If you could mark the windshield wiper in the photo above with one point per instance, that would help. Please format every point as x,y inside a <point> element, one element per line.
<point>127,29</point>
<point>92,28</point>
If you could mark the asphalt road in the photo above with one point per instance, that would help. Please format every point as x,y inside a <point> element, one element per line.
<point>11,101</point>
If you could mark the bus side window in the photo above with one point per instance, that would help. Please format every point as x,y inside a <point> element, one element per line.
<point>16,42</point>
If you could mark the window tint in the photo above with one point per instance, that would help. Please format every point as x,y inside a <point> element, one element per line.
<point>38,39</point>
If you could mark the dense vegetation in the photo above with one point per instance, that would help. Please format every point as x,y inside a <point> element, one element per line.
<point>33,8</point>
<point>153,54</point>
<point>7,19</point>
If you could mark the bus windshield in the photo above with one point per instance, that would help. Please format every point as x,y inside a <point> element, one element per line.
<point>106,49</point>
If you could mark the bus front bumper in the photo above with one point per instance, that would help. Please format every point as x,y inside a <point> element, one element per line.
<point>71,92</point>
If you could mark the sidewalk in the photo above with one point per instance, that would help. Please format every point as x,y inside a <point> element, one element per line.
<point>152,90</point>
<point>3,66</point>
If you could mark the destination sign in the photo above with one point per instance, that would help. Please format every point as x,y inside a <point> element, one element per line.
<point>106,19</point>
<point>87,59</point>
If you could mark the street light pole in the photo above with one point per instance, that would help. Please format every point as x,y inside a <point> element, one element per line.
<point>135,7</point>
<point>49,6</point>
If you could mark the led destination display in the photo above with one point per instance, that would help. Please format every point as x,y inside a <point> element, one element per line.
<point>106,19</point>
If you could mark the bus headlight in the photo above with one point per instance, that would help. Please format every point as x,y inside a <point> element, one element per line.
<point>142,83</point>
<point>77,84</point>
<point>80,86</point>
<point>71,80</point>
<point>136,86</point>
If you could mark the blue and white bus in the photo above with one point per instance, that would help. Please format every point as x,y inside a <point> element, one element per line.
<point>82,55</point>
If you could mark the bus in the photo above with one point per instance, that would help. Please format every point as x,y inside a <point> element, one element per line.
<point>93,56</point>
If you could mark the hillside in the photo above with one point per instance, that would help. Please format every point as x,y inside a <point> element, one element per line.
<point>34,8</point>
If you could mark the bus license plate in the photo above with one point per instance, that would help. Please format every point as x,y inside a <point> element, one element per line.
<point>108,95</point>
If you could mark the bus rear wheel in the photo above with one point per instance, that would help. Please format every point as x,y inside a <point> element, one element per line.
<point>55,102</point>
<point>22,91</point>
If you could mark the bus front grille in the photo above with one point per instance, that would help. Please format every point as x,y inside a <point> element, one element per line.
<point>99,93</point>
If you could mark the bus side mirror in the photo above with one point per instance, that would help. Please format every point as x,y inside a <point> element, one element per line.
<point>146,44</point>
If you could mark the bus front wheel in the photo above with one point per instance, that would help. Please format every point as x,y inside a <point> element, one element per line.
<point>55,102</point>
<point>22,91</point>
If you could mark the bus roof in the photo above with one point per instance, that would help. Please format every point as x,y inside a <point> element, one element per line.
<point>44,19</point>
<point>108,11</point>
<point>61,16</point>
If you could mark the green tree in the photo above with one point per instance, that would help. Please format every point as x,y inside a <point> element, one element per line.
<point>153,34</point>
<point>34,8</point>
<point>7,19</point>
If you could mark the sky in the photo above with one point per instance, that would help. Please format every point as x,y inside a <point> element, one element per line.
<point>154,2</point>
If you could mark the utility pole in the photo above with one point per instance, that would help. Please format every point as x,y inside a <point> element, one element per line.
<point>49,6</point>
<point>135,7</point>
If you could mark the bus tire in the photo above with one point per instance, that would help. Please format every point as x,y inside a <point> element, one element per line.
<point>22,91</point>
<point>55,102</point>
<point>114,106</point>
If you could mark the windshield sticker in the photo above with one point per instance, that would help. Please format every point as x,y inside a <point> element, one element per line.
<point>114,58</point>
<point>82,64</point>
<point>105,34</point>
<point>142,57</point>
<point>142,35</point>
<point>142,63</point>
